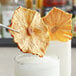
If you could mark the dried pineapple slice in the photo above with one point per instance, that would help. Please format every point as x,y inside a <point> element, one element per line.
<point>59,24</point>
<point>33,36</point>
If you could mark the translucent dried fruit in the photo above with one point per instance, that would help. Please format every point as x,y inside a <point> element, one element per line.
<point>32,37</point>
<point>59,24</point>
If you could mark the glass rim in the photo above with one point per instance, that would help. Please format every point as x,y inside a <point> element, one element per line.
<point>16,59</point>
<point>26,55</point>
<point>21,55</point>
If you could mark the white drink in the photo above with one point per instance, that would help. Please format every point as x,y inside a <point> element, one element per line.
<point>30,65</point>
<point>63,50</point>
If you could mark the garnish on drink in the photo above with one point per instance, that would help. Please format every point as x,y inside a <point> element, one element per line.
<point>34,31</point>
<point>59,24</point>
<point>33,34</point>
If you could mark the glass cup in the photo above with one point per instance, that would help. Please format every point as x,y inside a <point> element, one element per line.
<point>31,65</point>
<point>63,51</point>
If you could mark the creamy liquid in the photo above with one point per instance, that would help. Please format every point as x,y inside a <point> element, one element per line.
<point>63,51</point>
<point>30,65</point>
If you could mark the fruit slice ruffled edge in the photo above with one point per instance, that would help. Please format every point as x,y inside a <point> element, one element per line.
<point>59,24</point>
<point>39,44</point>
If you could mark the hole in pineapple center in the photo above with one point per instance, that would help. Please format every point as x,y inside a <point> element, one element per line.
<point>29,31</point>
<point>54,29</point>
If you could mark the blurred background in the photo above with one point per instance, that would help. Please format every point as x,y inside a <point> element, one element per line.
<point>8,47</point>
<point>7,8</point>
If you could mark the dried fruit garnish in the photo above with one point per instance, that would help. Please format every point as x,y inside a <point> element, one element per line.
<point>59,24</point>
<point>32,37</point>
